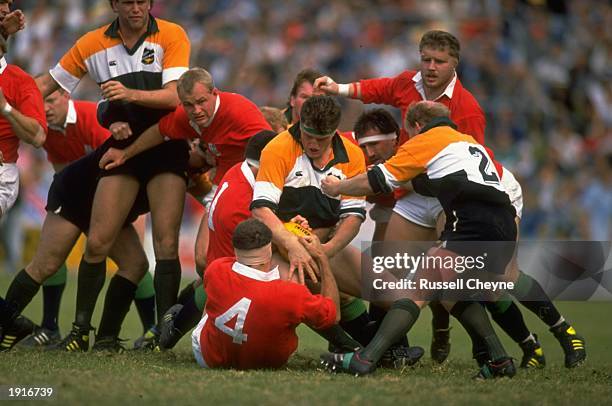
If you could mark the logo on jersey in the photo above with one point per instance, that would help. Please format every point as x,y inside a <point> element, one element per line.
<point>213,149</point>
<point>148,56</point>
<point>112,63</point>
<point>298,173</point>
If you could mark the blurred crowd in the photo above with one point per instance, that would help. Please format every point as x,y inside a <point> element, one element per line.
<point>541,70</point>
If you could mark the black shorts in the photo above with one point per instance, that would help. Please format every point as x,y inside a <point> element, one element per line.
<point>478,229</point>
<point>168,157</point>
<point>72,192</point>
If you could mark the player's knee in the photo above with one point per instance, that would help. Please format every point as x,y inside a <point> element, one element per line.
<point>98,245</point>
<point>41,270</point>
<point>166,246</point>
<point>134,266</point>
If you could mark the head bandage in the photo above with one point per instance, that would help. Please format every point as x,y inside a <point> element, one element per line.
<point>376,137</point>
<point>254,257</point>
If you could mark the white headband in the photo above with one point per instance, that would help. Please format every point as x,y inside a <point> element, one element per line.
<point>376,137</point>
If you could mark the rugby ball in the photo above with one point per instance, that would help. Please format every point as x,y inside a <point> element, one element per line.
<point>296,229</point>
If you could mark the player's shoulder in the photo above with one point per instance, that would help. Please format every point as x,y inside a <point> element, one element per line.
<point>179,115</point>
<point>95,35</point>
<point>95,41</point>
<point>238,103</point>
<point>85,106</point>
<point>283,143</point>
<point>170,29</point>
<point>219,266</point>
<point>233,174</point>
<point>407,75</point>
<point>19,74</point>
<point>353,151</point>
<point>465,99</point>
<point>350,145</point>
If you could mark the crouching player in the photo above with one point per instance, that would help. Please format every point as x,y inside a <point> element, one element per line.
<point>266,310</point>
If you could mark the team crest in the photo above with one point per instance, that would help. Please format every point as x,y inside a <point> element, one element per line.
<point>213,149</point>
<point>148,56</point>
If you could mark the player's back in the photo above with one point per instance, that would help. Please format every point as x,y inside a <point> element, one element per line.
<point>252,316</point>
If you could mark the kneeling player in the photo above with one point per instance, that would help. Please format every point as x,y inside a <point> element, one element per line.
<point>266,309</point>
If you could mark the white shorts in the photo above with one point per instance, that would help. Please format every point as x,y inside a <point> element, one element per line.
<point>514,191</point>
<point>9,187</point>
<point>419,209</point>
<point>380,213</point>
<point>195,342</point>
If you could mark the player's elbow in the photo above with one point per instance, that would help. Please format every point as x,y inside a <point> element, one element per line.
<point>259,213</point>
<point>39,137</point>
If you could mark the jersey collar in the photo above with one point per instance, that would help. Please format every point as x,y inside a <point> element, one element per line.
<point>113,32</point>
<point>439,122</point>
<point>338,148</point>
<point>217,104</point>
<point>3,65</point>
<point>448,92</point>
<point>71,117</point>
<point>248,173</point>
<point>255,273</point>
<point>198,128</point>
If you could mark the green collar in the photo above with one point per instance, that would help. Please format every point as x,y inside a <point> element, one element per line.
<point>113,32</point>
<point>439,122</point>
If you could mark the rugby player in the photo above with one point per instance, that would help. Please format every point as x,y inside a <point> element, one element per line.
<point>469,202</point>
<point>136,60</point>
<point>267,309</point>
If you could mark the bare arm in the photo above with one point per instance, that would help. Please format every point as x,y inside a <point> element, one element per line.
<point>280,236</point>
<point>46,84</point>
<point>343,235</point>
<point>329,287</point>
<point>165,98</point>
<point>25,128</point>
<point>299,258</point>
<point>330,87</point>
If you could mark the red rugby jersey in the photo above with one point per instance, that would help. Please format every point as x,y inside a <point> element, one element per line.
<point>229,207</point>
<point>235,121</point>
<point>81,135</point>
<point>400,91</point>
<point>21,92</point>
<point>252,316</point>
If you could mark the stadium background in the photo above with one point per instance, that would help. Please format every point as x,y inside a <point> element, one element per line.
<point>541,71</point>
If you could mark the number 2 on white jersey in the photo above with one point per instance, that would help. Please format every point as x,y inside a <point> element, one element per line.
<point>239,309</point>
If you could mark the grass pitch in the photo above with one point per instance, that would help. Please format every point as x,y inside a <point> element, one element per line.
<point>173,377</point>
